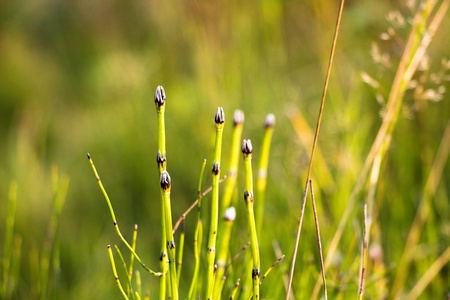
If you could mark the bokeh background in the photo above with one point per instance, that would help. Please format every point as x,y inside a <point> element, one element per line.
<point>79,76</point>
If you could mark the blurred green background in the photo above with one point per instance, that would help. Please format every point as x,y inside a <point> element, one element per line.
<point>79,76</point>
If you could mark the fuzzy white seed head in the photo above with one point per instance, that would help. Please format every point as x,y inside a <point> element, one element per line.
<point>230,213</point>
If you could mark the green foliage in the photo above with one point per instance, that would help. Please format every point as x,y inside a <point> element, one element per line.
<point>80,76</point>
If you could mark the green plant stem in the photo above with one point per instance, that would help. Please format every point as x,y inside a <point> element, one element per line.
<point>160,105</point>
<point>116,277</point>
<point>59,197</point>
<point>129,287</point>
<point>180,253</point>
<point>9,231</point>
<point>222,254</point>
<point>197,235</point>
<point>236,286</point>
<point>138,282</point>
<point>165,189</point>
<point>116,225</point>
<point>211,253</point>
<point>15,265</point>
<point>262,171</point>
<point>271,268</point>
<point>234,161</point>
<point>226,224</point>
<point>248,197</point>
<point>197,251</point>
<point>133,245</point>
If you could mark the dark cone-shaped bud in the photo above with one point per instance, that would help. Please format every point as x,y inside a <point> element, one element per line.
<point>238,117</point>
<point>160,96</point>
<point>165,180</point>
<point>220,116</point>
<point>270,121</point>
<point>247,147</point>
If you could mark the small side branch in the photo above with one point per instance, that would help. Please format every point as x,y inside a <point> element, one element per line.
<point>271,268</point>
<point>116,225</point>
<point>183,216</point>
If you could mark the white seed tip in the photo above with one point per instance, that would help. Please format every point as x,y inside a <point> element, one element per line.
<point>230,213</point>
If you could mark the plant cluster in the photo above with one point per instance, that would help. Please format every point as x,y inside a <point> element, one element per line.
<point>222,216</point>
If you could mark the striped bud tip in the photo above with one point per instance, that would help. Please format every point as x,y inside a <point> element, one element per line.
<point>247,147</point>
<point>165,180</point>
<point>220,116</point>
<point>160,96</point>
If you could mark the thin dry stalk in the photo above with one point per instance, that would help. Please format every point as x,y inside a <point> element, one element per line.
<point>316,136</point>
<point>319,243</point>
